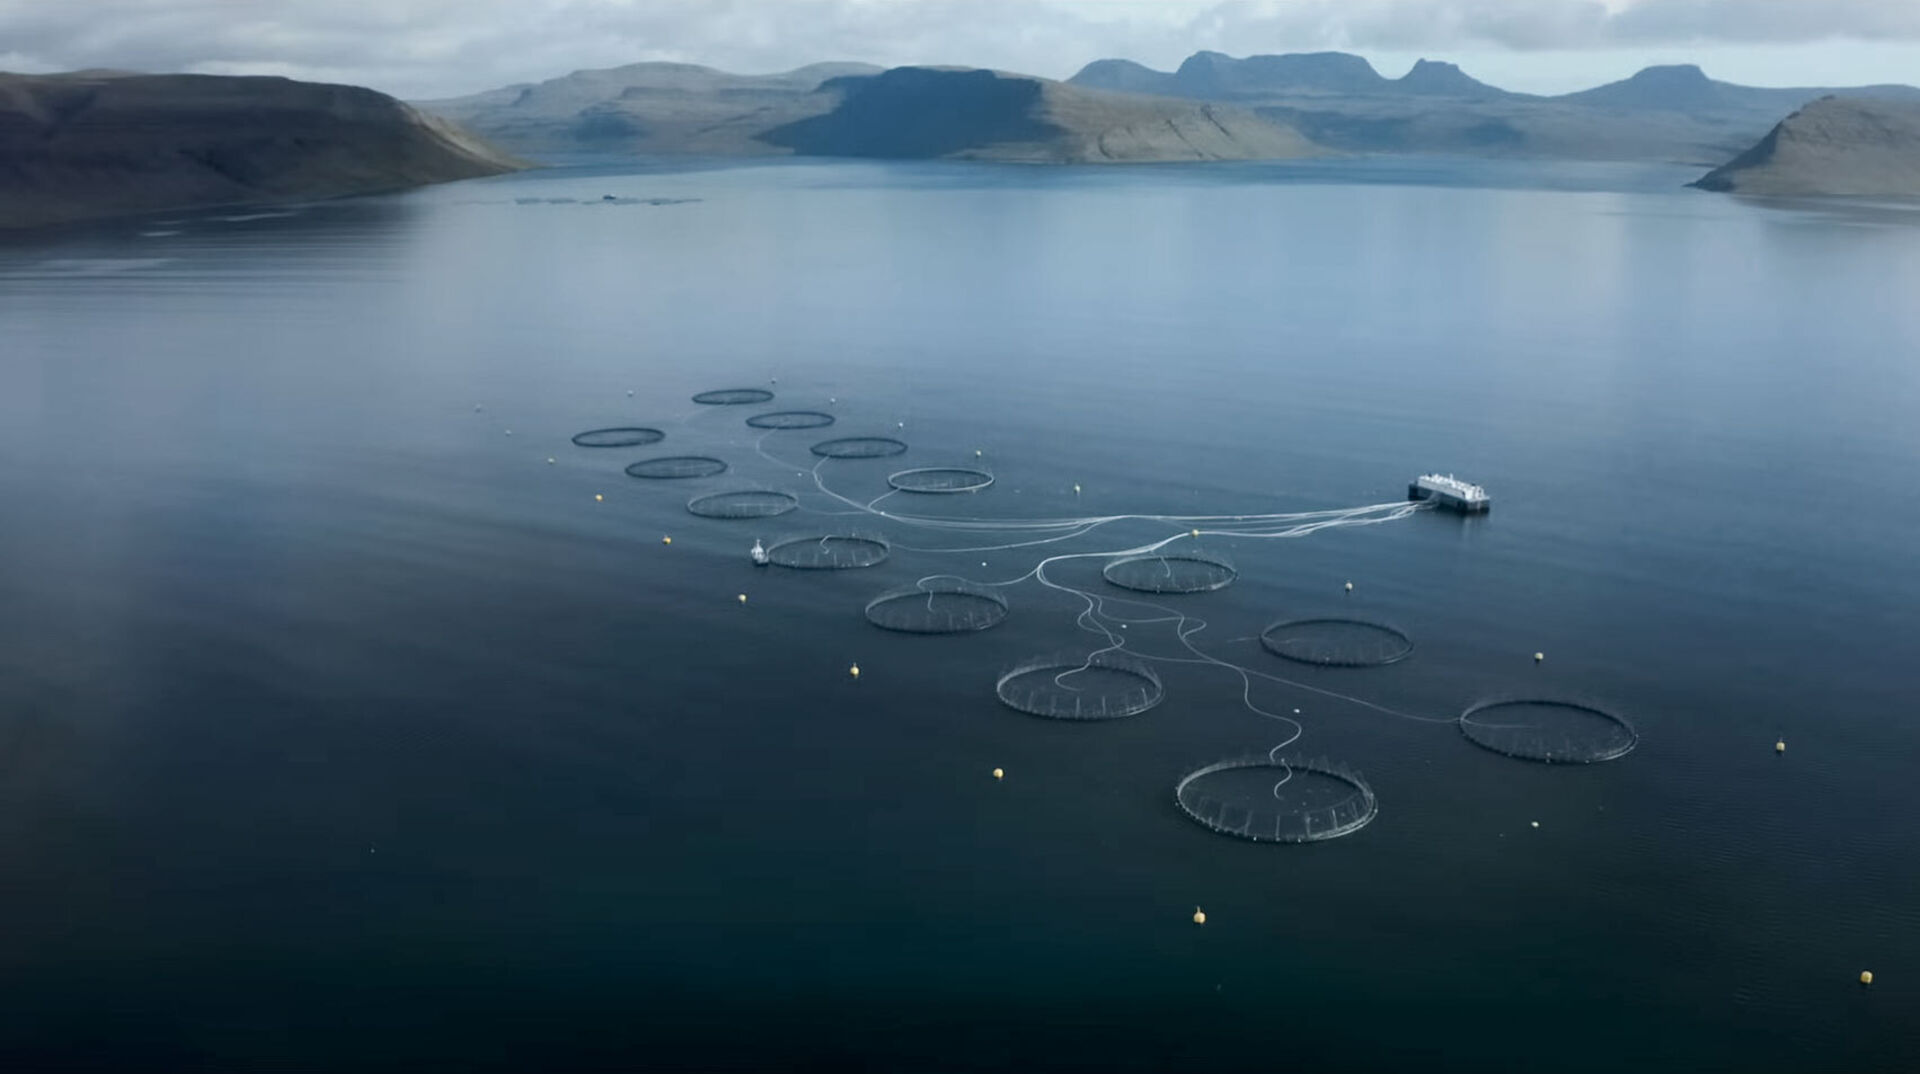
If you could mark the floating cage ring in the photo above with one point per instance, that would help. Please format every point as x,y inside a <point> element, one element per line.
<point>1186,571</point>
<point>734,397</point>
<point>832,552</point>
<point>938,606</point>
<point>1551,731</point>
<point>1279,800</point>
<point>791,419</point>
<point>623,436</point>
<point>676,467</point>
<point>859,447</point>
<point>743,503</point>
<point>1337,643</point>
<point>1104,686</point>
<point>940,479</point>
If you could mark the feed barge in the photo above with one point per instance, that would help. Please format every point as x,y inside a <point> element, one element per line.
<point>1448,491</point>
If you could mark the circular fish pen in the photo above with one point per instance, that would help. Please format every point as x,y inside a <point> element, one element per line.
<point>859,447</point>
<point>791,419</point>
<point>676,467</point>
<point>1549,731</point>
<point>1337,643</point>
<point>1104,686</point>
<point>624,436</point>
<point>734,397</point>
<point>743,503</point>
<point>1188,571</point>
<point>938,606</point>
<point>940,479</point>
<point>834,552</point>
<point>1271,800</point>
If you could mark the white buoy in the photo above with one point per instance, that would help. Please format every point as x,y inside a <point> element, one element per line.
<point>629,393</point>
<point>854,671</point>
<point>999,773</point>
<point>509,432</point>
<point>666,540</point>
<point>1195,533</point>
<point>1349,587</point>
<point>1076,489</point>
<point>976,453</point>
<point>1199,916</point>
<point>1537,657</point>
<point>549,460</point>
<point>1536,823</point>
<point>597,497</point>
<point>743,598</point>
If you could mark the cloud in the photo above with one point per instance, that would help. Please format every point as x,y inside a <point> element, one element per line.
<point>430,47</point>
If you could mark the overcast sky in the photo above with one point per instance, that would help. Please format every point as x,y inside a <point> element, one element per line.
<point>426,48</point>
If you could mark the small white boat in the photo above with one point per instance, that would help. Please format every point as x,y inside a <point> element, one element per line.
<point>758,554</point>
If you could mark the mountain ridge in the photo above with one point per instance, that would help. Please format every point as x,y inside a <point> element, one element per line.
<point>85,145</point>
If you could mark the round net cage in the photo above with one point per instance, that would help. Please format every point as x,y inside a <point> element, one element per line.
<point>859,447</point>
<point>791,419</point>
<point>1276,800</point>
<point>1551,732</point>
<point>734,397</point>
<point>938,606</point>
<point>1337,643</point>
<point>834,552</point>
<point>940,479</point>
<point>1104,686</point>
<point>627,436</point>
<point>1189,571</point>
<point>676,467</point>
<point>743,503</point>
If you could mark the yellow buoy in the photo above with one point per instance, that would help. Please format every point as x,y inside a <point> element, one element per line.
<point>999,773</point>
<point>597,497</point>
<point>1199,916</point>
<point>1866,977</point>
<point>1537,657</point>
<point>854,671</point>
<point>666,540</point>
<point>1780,746</point>
<point>1195,533</point>
<point>743,598</point>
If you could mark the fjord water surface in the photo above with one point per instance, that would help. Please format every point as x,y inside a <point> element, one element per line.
<point>338,728</point>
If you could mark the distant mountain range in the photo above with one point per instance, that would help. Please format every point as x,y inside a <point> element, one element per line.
<point>850,110</point>
<point>1117,110</point>
<point>100,143</point>
<point>1673,113</point>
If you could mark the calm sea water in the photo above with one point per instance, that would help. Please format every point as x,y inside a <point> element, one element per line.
<point>339,729</point>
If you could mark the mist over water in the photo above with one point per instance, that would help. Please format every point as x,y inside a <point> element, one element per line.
<point>338,725</point>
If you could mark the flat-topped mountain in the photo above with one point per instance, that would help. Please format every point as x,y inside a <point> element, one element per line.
<point>103,143</point>
<point>1836,145</point>
<point>649,108</point>
<point>922,113</point>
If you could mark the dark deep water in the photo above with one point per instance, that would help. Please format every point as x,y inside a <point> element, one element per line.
<point>337,729</point>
